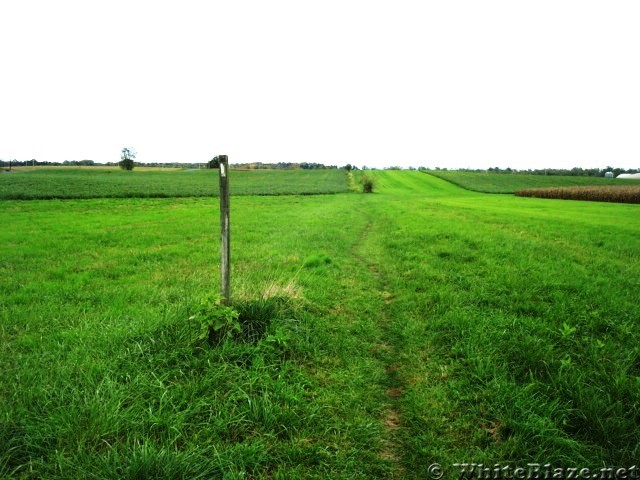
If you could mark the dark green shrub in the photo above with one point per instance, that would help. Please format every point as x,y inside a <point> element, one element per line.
<point>367,183</point>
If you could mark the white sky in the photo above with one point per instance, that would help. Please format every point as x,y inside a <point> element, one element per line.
<point>448,83</point>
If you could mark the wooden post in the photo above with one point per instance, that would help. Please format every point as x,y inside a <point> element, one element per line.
<point>225,232</point>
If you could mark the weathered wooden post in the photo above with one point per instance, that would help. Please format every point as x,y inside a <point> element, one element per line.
<point>225,232</point>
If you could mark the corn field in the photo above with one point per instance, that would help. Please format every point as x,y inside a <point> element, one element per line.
<point>605,193</point>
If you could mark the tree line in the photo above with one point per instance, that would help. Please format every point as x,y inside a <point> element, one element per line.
<point>36,163</point>
<point>276,166</point>
<point>127,162</point>
<point>573,172</point>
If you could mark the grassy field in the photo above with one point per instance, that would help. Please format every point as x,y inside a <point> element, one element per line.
<point>420,324</point>
<point>509,183</point>
<point>95,182</point>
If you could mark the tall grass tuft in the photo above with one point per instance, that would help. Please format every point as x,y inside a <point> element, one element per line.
<point>255,316</point>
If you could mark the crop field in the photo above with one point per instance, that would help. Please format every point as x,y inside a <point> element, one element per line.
<point>510,183</point>
<point>95,182</point>
<point>381,333</point>
<point>608,193</point>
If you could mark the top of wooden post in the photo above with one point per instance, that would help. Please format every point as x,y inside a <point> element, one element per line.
<point>223,161</point>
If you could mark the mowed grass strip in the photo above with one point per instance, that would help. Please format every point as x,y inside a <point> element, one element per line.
<point>95,182</point>
<point>514,320</point>
<point>611,193</point>
<point>510,183</point>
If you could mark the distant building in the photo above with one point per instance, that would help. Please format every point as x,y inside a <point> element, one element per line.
<point>608,175</point>
<point>632,176</point>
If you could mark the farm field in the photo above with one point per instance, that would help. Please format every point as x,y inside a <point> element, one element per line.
<point>420,324</point>
<point>601,193</point>
<point>510,183</point>
<point>96,182</point>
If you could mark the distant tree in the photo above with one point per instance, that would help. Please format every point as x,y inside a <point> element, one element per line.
<point>126,158</point>
<point>348,167</point>
<point>214,163</point>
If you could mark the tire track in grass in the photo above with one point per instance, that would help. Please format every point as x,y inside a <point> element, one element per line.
<point>387,352</point>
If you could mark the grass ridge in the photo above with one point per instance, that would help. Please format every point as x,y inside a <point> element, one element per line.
<point>510,183</point>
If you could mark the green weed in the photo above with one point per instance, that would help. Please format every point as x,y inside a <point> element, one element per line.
<point>216,320</point>
<point>317,260</point>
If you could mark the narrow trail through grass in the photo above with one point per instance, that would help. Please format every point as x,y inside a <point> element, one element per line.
<point>386,351</point>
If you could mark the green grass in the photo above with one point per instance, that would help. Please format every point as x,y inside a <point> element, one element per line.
<point>422,323</point>
<point>509,183</point>
<point>93,182</point>
<point>516,321</point>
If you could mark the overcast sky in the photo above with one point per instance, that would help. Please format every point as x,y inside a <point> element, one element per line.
<point>445,83</point>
